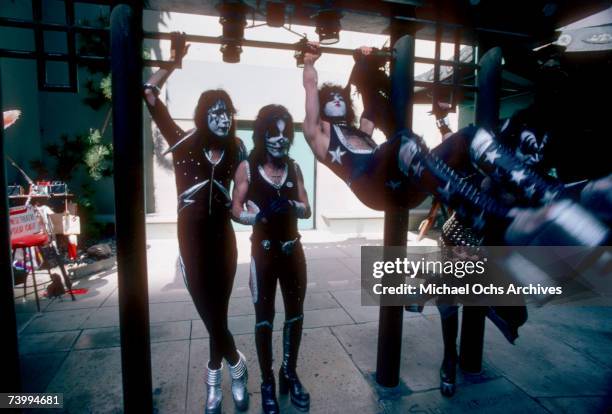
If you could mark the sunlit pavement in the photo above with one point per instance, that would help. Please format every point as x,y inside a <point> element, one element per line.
<point>561,362</point>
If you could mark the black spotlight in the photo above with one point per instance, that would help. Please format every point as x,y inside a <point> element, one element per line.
<point>233,21</point>
<point>328,26</point>
<point>275,13</point>
<point>231,52</point>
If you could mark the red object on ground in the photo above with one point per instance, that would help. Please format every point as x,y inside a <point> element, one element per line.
<point>80,291</point>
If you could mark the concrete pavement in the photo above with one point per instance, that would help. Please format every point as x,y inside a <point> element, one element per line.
<point>561,362</point>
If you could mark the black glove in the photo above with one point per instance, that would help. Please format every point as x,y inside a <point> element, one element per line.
<point>278,206</point>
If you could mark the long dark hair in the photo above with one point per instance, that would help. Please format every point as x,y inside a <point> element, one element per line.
<point>324,93</point>
<point>265,121</point>
<point>206,101</point>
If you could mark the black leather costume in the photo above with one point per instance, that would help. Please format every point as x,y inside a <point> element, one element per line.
<point>277,255</point>
<point>207,242</point>
<point>374,175</point>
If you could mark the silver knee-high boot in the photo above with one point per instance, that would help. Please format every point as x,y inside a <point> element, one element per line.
<point>240,377</point>
<point>214,394</point>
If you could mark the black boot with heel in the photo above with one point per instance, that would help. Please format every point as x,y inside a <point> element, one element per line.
<point>288,381</point>
<point>269,405</point>
<point>448,371</point>
<point>263,342</point>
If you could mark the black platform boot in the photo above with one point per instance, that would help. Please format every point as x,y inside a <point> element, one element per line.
<point>288,381</point>
<point>448,376</point>
<point>448,370</point>
<point>269,405</point>
<point>263,342</point>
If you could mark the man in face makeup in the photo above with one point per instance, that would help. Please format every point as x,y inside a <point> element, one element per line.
<point>269,194</point>
<point>205,159</point>
<point>219,119</point>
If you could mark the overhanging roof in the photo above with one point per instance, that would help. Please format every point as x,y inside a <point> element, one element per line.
<point>533,19</point>
<point>358,15</point>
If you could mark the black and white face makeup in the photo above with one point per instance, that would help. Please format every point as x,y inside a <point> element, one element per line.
<point>277,144</point>
<point>335,107</point>
<point>219,119</point>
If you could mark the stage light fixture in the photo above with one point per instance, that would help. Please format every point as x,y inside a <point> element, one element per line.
<point>275,13</point>
<point>233,21</point>
<point>328,26</point>
<point>231,52</point>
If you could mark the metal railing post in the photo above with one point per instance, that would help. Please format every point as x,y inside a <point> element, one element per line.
<point>126,64</point>
<point>11,372</point>
<point>396,219</point>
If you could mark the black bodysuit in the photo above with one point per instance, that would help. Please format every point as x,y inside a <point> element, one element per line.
<point>277,255</point>
<point>374,175</point>
<point>207,242</point>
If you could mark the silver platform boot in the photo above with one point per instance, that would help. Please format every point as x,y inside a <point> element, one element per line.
<point>240,377</point>
<point>214,394</point>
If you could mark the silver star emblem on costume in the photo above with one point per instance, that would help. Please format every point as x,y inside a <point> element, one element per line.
<point>548,196</point>
<point>417,169</point>
<point>518,176</point>
<point>394,185</point>
<point>479,221</point>
<point>337,155</point>
<point>530,191</point>
<point>445,192</point>
<point>491,156</point>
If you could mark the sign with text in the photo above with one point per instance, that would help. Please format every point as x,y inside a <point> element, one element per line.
<point>24,221</point>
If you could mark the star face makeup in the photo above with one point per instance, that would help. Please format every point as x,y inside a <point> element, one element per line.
<point>277,144</point>
<point>335,107</point>
<point>219,119</point>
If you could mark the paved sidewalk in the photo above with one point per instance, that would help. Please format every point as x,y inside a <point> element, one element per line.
<point>561,362</point>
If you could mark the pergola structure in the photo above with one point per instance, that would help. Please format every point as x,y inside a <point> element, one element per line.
<point>516,26</point>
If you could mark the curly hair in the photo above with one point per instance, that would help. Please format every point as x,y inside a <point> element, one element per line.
<point>265,122</point>
<point>328,89</point>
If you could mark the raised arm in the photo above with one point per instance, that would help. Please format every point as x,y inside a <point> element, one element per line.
<point>366,122</point>
<point>169,129</point>
<point>301,205</point>
<point>313,125</point>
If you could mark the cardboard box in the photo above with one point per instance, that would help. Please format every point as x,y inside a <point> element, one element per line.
<point>65,224</point>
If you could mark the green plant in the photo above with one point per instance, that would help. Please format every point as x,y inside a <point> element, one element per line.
<point>65,162</point>
<point>98,156</point>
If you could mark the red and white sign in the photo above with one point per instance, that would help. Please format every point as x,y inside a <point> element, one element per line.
<point>24,221</point>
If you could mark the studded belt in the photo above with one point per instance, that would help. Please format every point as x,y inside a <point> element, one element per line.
<point>286,247</point>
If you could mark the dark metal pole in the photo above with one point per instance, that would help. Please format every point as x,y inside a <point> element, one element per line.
<point>396,219</point>
<point>489,86</point>
<point>126,64</point>
<point>487,115</point>
<point>11,374</point>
